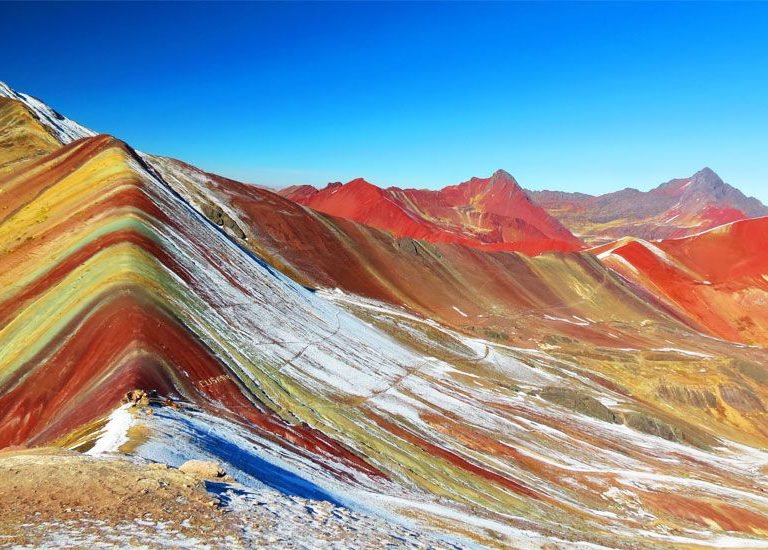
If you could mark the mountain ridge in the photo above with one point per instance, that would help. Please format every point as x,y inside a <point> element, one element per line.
<point>699,202</point>
<point>675,208</point>
<point>492,213</point>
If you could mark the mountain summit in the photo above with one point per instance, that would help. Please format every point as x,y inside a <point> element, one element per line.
<point>707,176</point>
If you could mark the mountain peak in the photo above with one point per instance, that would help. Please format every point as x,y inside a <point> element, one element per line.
<point>706,171</point>
<point>359,181</point>
<point>502,176</point>
<point>706,177</point>
<point>705,180</point>
<point>359,184</point>
<point>500,179</point>
<point>501,173</point>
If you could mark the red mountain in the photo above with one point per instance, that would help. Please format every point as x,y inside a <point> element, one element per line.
<point>487,213</point>
<point>717,278</point>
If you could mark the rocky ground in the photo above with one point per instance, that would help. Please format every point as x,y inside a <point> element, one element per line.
<point>55,498</point>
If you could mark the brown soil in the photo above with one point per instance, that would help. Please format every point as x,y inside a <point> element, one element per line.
<point>45,489</point>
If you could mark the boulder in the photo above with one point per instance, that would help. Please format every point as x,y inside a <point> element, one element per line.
<point>136,397</point>
<point>578,402</point>
<point>203,469</point>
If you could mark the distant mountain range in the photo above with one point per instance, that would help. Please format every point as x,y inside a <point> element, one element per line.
<point>491,213</point>
<point>676,208</point>
<point>495,213</point>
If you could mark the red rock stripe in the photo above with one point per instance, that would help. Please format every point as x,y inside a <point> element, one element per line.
<point>76,383</point>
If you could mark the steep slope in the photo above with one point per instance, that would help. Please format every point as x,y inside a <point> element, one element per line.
<point>103,291</point>
<point>64,129</point>
<point>677,208</point>
<point>486,213</point>
<point>717,278</point>
<point>111,280</point>
<point>513,297</point>
<point>22,136</point>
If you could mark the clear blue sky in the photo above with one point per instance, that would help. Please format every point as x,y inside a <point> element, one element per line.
<point>573,96</point>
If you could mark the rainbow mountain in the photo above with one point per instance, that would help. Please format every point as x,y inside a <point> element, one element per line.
<point>433,394</point>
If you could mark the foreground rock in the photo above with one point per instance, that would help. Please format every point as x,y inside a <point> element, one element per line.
<point>81,497</point>
<point>53,498</point>
<point>203,469</point>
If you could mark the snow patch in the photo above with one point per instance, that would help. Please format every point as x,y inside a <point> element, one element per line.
<point>686,352</point>
<point>460,312</point>
<point>115,433</point>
